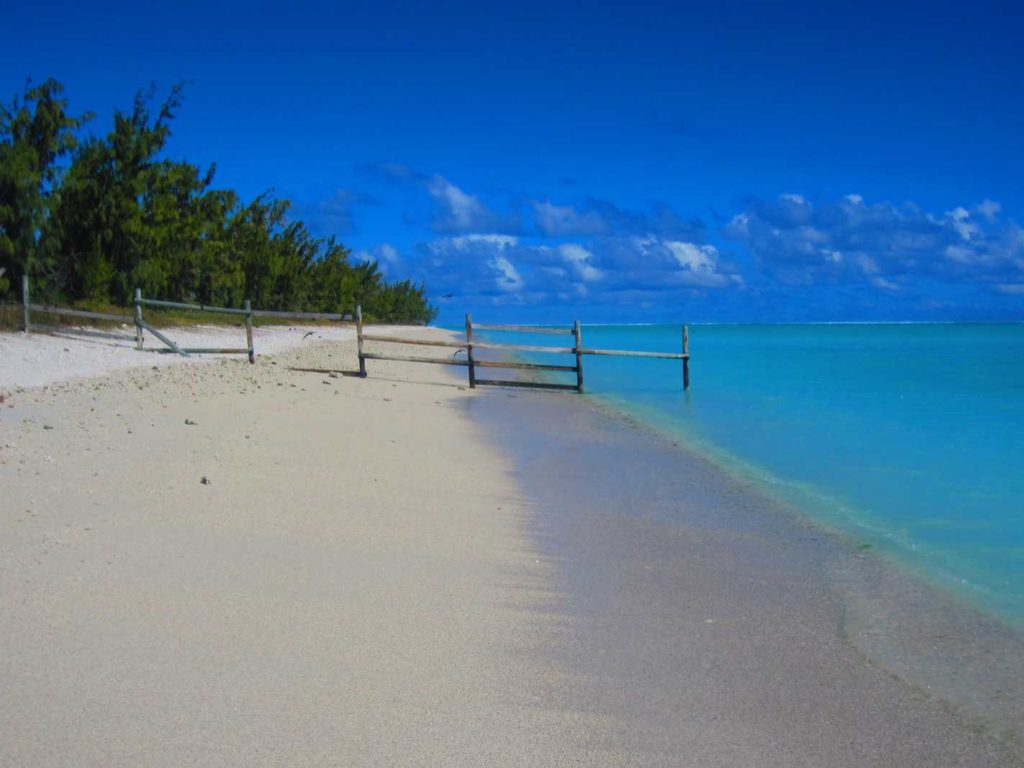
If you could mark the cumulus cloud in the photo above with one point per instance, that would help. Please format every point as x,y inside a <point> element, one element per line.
<point>582,262</point>
<point>565,220</point>
<point>459,211</point>
<point>883,245</point>
<point>385,254</point>
<point>680,263</point>
<point>594,217</point>
<point>476,264</point>
<point>508,278</point>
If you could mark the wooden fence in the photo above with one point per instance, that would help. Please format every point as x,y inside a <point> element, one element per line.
<point>137,319</point>
<point>141,325</point>
<point>472,363</point>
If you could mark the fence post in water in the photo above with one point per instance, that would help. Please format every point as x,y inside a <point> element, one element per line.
<point>469,351</point>
<point>359,340</point>
<point>579,357</point>
<point>248,330</point>
<point>686,358</point>
<point>138,318</point>
<point>25,324</point>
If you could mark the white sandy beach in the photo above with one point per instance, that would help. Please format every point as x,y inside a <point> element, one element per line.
<point>220,564</point>
<point>351,587</point>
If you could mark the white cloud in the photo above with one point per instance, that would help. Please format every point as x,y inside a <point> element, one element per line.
<point>881,282</point>
<point>581,261</point>
<point>879,243</point>
<point>959,254</point>
<point>508,280</point>
<point>459,211</point>
<point>960,219</point>
<point>464,209</point>
<point>560,220</point>
<point>867,264</point>
<point>387,253</point>
<point>699,264</point>
<point>384,254</point>
<point>792,198</point>
<point>474,241</point>
<point>989,209</point>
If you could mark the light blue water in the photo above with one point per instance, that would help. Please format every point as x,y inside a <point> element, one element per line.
<point>909,438</point>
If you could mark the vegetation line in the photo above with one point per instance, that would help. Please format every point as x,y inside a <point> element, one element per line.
<point>90,218</point>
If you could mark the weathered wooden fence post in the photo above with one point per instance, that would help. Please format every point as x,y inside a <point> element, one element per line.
<point>248,330</point>
<point>469,351</point>
<point>25,319</point>
<point>138,318</point>
<point>686,358</point>
<point>359,340</point>
<point>579,357</point>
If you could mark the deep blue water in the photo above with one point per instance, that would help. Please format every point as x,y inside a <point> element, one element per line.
<point>908,438</point>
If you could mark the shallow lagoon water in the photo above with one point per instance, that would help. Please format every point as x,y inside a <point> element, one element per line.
<point>907,438</point>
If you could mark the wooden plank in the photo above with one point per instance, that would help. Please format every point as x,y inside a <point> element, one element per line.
<point>522,328</point>
<point>686,358</point>
<point>417,342</point>
<point>579,358</point>
<point>527,348</point>
<point>359,341</point>
<point>302,315</point>
<point>631,353</point>
<point>415,359</point>
<point>526,384</point>
<point>138,319</point>
<point>75,330</point>
<point>197,307</point>
<point>469,351</point>
<point>53,310</point>
<point>26,303</point>
<point>212,350</point>
<point>165,340</point>
<point>248,331</point>
<point>524,366</point>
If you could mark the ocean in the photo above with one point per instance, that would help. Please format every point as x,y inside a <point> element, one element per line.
<point>907,438</point>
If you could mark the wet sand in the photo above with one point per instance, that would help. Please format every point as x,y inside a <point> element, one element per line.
<point>717,629</point>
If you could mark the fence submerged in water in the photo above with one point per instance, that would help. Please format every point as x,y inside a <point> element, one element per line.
<point>472,363</point>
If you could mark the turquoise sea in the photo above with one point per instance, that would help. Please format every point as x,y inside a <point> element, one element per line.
<point>907,438</point>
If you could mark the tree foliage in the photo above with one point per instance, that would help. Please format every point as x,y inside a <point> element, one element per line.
<point>120,215</point>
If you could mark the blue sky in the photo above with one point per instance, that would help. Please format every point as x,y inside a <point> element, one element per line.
<point>607,161</point>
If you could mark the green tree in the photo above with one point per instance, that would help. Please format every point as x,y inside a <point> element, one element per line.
<point>123,216</point>
<point>36,131</point>
<point>109,214</point>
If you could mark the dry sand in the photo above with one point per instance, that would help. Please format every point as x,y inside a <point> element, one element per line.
<point>353,586</point>
<point>35,360</point>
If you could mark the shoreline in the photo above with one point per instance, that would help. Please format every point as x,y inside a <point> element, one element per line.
<point>425,574</point>
<point>802,501</point>
<point>921,644</point>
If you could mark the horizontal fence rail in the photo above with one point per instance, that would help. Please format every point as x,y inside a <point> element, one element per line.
<point>302,315</point>
<point>470,362</point>
<point>522,328</point>
<point>136,319</point>
<point>635,353</point>
<point>52,310</point>
<point>182,305</point>
<point>141,325</point>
